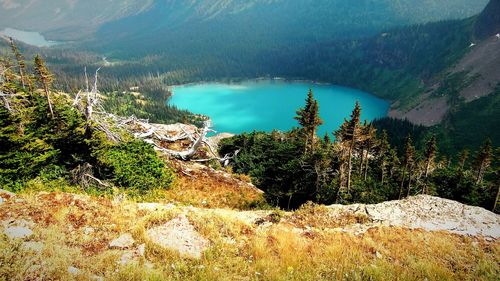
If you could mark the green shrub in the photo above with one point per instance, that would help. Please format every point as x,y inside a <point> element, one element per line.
<point>134,165</point>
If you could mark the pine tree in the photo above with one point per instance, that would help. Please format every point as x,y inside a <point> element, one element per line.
<point>45,78</point>
<point>308,118</point>
<point>20,62</point>
<point>462,158</point>
<point>483,160</point>
<point>383,155</point>
<point>369,142</point>
<point>314,122</point>
<point>430,154</point>
<point>352,134</point>
<point>407,162</point>
<point>327,140</point>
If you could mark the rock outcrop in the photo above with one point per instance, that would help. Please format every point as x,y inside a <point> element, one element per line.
<point>429,213</point>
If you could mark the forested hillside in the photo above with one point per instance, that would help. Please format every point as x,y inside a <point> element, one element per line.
<point>66,20</point>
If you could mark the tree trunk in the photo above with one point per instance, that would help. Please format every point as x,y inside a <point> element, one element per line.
<point>402,181</point>
<point>479,174</point>
<point>382,173</point>
<point>349,168</point>
<point>312,137</point>
<point>361,162</point>
<point>496,199</point>
<point>366,168</point>
<point>409,180</point>
<point>427,166</point>
<point>47,93</point>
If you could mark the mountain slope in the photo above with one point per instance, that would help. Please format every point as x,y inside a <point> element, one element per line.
<point>488,23</point>
<point>66,19</point>
<point>193,24</point>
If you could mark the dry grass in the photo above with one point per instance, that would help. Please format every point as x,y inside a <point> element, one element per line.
<point>319,216</point>
<point>239,249</point>
<point>208,188</point>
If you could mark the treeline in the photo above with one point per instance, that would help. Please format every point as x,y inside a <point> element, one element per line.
<point>117,84</point>
<point>360,165</point>
<point>47,143</point>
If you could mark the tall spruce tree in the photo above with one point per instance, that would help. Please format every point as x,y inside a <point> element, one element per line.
<point>308,118</point>
<point>483,160</point>
<point>351,136</point>
<point>45,78</point>
<point>409,158</point>
<point>430,154</point>
<point>383,155</point>
<point>462,158</point>
<point>21,65</point>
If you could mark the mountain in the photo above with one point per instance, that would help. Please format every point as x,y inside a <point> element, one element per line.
<point>488,23</point>
<point>235,24</point>
<point>66,19</point>
<point>78,19</point>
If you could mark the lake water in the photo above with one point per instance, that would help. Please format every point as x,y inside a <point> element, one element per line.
<point>28,37</point>
<point>264,105</point>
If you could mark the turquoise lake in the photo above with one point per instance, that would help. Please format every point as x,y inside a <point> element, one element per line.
<point>264,105</point>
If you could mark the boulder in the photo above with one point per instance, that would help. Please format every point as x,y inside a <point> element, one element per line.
<point>125,241</point>
<point>179,235</point>
<point>33,246</point>
<point>18,232</point>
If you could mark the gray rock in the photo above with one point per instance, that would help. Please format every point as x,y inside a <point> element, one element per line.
<point>125,241</point>
<point>33,246</point>
<point>73,270</point>
<point>141,250</point>
<point>18,232</point>
<point>179,235</point>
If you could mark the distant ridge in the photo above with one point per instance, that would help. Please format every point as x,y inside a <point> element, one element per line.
<point>488,23</point>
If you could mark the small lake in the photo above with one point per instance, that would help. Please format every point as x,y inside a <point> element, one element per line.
<point>264,105</point>
<point>28,37</point>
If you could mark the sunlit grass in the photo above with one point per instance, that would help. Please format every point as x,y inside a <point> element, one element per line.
<point>239,249</point>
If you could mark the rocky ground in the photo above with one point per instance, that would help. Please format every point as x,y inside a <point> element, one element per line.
<point>481,64</point>
<point>70,236</point>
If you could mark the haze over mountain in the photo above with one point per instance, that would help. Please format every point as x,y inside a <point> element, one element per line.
<point>66,19</point>
<point>300,19</point>
<point>191,24</point>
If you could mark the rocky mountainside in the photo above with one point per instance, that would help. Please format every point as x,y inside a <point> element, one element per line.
<point>70,236</point>
<point>476,74</point>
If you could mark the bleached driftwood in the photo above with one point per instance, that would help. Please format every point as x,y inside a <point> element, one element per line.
<point>187,154</point>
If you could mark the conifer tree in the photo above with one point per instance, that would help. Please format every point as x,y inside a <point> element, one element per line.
<point>462,158</point>
<point>430,154</point>
<point>308,118</point>
<point>20,62</point>
<point>407,162</point>
<point>314,122</point>
<point>327,140</point>
<point>383,155</point>
<point>351,136</point>
<point>483,160</point>
<point>45,78</point>
<point>370,142</point>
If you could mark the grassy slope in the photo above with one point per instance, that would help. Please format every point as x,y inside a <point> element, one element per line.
<point>239,249</point>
